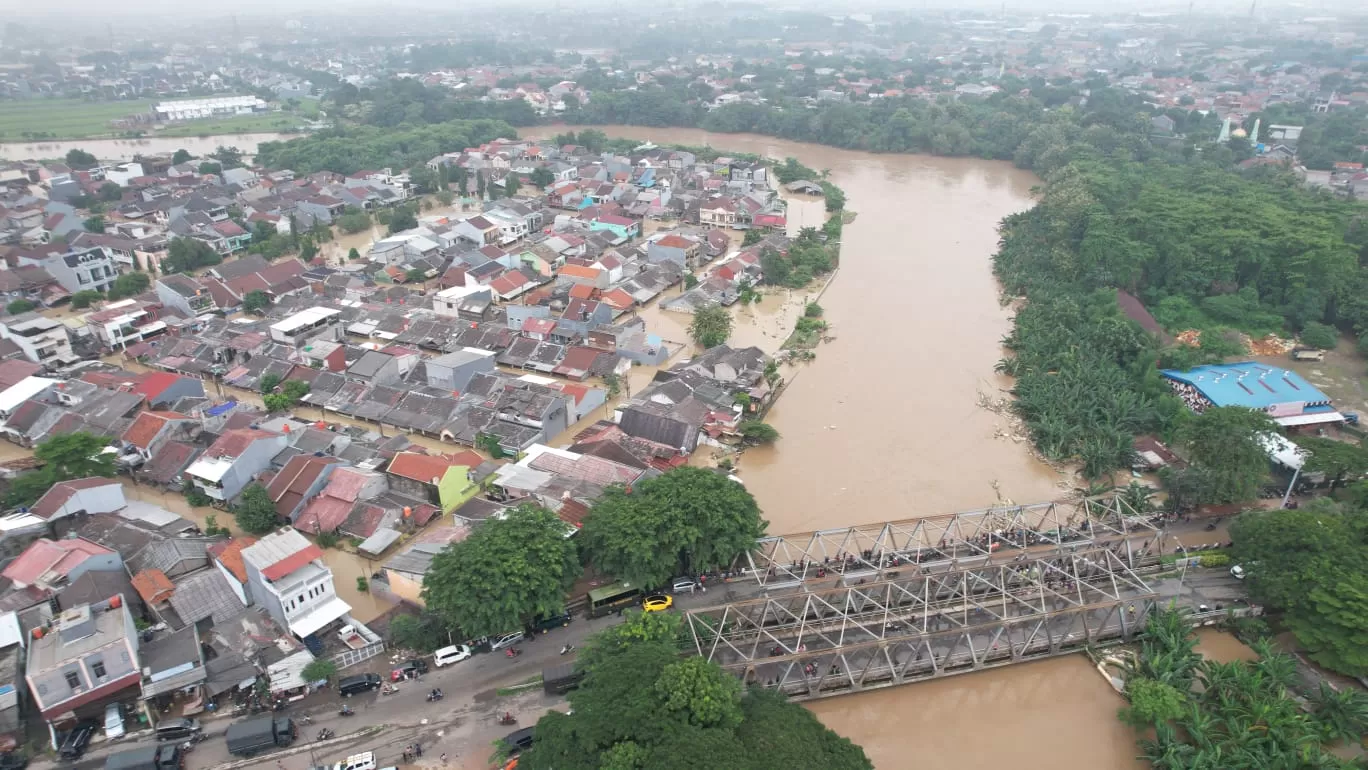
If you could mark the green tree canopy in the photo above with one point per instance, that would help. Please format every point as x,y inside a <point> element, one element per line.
<point>256,301</point>
<point>319,670</point>
<point>1319,335</point>
<point>85,298</point>
<point>1223,442</point>
<point>541,177</point>
<point>711,326</point>
<point>182,155</point>
<point>186,254</point>
<point>254,510</point>
<point>20,306</point>
<point>1309,563</point>
<point>687,520</point>
<point>641,707</point>
<point>354,221</point>
<point>1338,460</point>
<point>402,219</point>
<point>80,159</point>
<point>94,224</point>
<point>506,573</point>
<point>75,456</point>
<point>129,285</point>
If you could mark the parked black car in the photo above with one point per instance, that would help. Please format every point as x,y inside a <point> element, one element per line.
<point>76,741</point>
<point>351,685</point>
<point>542,625</point>
<point>519,741</point>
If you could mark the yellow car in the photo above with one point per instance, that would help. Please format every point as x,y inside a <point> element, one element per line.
<point>657,603</point>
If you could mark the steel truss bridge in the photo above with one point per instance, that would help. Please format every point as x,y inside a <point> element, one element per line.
<point>858,608</point>
<point>821,643</point>
<point>885,550</point>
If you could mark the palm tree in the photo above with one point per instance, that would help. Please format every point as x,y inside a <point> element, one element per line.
<point>1166,751</point>
<point>1340,714</point>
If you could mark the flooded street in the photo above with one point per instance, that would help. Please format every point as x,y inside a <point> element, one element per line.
<point>125,149</point>
<point>885,424</point>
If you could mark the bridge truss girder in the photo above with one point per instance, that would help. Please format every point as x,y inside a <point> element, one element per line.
<point>817,674</point>
<point>873,551</point>
<point>844,639</point>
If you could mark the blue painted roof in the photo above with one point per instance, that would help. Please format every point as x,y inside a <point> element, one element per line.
<point>1250,384</point>
<point>218,409</point>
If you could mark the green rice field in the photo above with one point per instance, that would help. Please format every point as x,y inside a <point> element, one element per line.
<point>55,119</point>
<point>63,118</point>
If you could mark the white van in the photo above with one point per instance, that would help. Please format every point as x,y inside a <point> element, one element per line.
<point>114,721</point>
<point>448,655</point>
<point>362,761</point>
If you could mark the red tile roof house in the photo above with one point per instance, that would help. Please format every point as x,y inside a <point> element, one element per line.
<point>303,477</point>
<point>164,388</point>
<point>91,495</point>
<point>84,656</point>
<point>330,510</point>
<point>230,463</point>
<point>286,576</point>
<point>51,564</point>
<point>227,556</point>
<point>151,430</point>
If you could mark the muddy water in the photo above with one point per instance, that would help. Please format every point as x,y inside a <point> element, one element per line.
<point>1222,646</point>
<point>125,149</point>
<point>886,424</point>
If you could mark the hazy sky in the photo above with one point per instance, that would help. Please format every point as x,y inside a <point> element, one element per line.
<point>170,10</point>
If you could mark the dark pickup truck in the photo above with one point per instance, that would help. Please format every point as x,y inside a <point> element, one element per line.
<point>261,734</point>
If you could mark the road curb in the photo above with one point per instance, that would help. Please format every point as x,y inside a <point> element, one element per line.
<point>303,747</point>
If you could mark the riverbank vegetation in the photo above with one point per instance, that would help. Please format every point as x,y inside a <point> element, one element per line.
<point>1308,564</point>
<point>1230,716</point>
<point>640,705</point>
<point>349,149</point>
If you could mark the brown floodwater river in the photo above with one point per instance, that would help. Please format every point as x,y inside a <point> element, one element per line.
<point>886,424</point>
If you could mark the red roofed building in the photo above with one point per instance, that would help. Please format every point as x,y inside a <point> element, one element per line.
<point>153,586</point>
<point>90,495</point>
<point>227,556</point>
<point>50,564</point>
<point>302,477</point>
<point>511,284</point>
<point>287,577</point>
<point>346,487</point>
<point>441,479</point>
<point>165,388</point>
<point>150,430</point>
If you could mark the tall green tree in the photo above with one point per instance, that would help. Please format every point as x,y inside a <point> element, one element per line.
<point>711,326</point>
<point>506,573</point>
<point>75,456</point>
<point>1308,563</point>
<point>687,520</point>
<point>256,301</point>
<point>255,511</point>
<point>641,707</point>
<point>1338,460</point>
<point>1224,442</point>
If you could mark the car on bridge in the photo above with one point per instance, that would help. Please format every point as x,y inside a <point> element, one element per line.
<point>657,603</point>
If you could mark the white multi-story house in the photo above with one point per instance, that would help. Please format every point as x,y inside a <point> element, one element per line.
<point>43,340</point>
<point>85,656</point>
<point>287,577</point>
<point>230,464</point>
<point>80,270</point>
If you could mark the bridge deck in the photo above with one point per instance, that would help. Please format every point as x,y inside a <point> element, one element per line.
<point>920,625</point>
